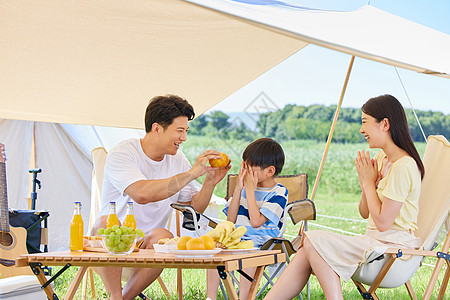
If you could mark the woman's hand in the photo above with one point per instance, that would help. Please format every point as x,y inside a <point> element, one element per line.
<point>367,169</point>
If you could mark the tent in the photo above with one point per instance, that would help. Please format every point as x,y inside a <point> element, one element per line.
<point>97,62</point>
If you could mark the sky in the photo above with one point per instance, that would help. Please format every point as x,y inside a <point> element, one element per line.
<point>315,75</point>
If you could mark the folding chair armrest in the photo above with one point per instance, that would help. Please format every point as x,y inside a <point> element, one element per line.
<point>188,213</point>
<point>301,210</point>
<point>410,252</point>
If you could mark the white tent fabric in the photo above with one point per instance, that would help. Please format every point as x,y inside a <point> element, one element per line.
<point>367,32</point>
<point>99,62</point>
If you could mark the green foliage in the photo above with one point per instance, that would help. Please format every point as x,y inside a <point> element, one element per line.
<point>312,122</point>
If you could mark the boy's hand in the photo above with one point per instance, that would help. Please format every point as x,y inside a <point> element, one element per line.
<point>250,178</point>
<point>240,179</point>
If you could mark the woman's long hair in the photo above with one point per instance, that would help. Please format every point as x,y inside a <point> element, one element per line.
<point>387,106</point>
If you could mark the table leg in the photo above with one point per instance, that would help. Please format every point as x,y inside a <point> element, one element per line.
<point>229,286</point>
<point>255,284</point>
<point>37,270</point>
<point>180,283</point>
<point>76,283</point>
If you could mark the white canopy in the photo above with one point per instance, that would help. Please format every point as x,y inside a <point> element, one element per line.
<point>100,61</point>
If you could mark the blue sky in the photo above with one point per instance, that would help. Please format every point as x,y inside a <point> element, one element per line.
<point>315,75</point>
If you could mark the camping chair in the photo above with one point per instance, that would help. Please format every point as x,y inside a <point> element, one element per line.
<point>389,270</point>
<point>299,208</point>
<point>99,160</point>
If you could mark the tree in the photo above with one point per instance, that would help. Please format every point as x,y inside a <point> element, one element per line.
<point>219,120</point>
<point>196,126</point>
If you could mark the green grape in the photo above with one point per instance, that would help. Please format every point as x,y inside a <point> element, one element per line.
<point>140,233</point>
<point>118,231</point>
<point>124,228</point>
<point>115,227</point>
<point>107,231</point>
<point>109,243</point>
<point>116,240</point>
<point>123,247</point>
<point>116,249</point>
<point>100,231</point>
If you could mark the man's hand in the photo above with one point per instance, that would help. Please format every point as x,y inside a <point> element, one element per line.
<point>215,175</point>
<point>200,168</point>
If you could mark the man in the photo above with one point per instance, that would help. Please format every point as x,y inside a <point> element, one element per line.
<point>153,173</point>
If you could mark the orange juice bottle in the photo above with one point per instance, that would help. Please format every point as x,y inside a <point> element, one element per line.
<point>76,229</point>
<point>130,221</point>
<point>112,217</point>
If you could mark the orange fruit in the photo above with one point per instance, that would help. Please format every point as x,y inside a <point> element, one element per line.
<point>209,242</point>
<point>220,162</point>
<point>195,244</point>
<point>181,244</point>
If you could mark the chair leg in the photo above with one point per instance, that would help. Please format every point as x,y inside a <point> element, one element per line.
<point>163,287</point>
<point>362,290</point>
<point>410,289</point>
<point>222,288</point>
<point>444,282</point>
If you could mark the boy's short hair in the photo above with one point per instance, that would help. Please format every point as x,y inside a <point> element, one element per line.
<point>263,153</point>
<point>164,109</point>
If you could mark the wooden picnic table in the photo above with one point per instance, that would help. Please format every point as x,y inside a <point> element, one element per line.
<point>224,263</point>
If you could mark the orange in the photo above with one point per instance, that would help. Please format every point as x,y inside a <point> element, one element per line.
<point>209,242</point>
<point>195,244</point>
<point>181,244</point>
<point>220,162</point>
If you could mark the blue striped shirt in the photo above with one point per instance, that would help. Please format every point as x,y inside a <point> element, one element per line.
<point>271,202</point>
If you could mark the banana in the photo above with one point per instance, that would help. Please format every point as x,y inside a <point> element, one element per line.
<point>248,244</point>
<point>235,235</point>
<point>215,234</point>
<point>238,232</point>
<point>233,243</point>
<point>226,228</point>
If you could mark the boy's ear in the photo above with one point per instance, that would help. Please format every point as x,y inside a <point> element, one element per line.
<point>270,170</point>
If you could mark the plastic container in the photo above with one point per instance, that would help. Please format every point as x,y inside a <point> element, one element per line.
<point>23,287</point>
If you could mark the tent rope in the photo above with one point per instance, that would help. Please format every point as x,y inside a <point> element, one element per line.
<point>410,103</point>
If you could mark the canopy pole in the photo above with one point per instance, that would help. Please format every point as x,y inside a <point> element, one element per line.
<point>330,135</point>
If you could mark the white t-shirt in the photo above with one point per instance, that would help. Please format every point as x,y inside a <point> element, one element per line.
<point>127,163</point>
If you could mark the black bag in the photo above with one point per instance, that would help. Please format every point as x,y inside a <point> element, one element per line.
<point>31,221</point>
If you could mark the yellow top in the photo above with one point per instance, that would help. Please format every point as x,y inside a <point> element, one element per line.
<point>402,183</point>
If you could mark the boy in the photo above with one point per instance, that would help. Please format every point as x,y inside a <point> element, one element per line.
<point>258,202</point>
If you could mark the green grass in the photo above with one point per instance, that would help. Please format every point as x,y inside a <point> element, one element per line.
<point>337,195</point>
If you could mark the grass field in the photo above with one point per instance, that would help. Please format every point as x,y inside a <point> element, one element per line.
<point>338,195</point>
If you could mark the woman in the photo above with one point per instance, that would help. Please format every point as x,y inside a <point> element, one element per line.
<point>390,185</point>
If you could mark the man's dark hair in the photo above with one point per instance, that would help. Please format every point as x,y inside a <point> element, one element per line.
<point>264,153</point>
<point>164,109</point>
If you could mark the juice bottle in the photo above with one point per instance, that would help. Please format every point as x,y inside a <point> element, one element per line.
<point>112,217</point>
<point>130,221</point>
<point>76,229</point>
